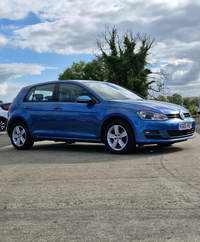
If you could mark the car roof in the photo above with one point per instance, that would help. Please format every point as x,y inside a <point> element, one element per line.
<point>60,81</point>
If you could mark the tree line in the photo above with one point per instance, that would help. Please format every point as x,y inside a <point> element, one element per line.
<point>189,103</point>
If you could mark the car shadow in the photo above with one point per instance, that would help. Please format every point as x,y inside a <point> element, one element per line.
<point>77,153</point>
<point>101,148</point>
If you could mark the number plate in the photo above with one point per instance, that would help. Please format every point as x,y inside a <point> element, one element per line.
<point>184,126</point>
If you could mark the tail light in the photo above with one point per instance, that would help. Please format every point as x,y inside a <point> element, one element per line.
<point>9,109</point>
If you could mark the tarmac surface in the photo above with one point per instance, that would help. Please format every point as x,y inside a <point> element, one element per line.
<point>81,192</point>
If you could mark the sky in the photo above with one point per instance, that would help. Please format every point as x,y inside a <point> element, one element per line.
<point>40,39</point>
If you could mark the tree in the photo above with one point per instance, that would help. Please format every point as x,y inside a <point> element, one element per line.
<point>193,110</point>
<point>194,101</point>
<point>74,73</point>
<point>187,102</point>
<point>1,101</point>
<point>127,67</point>
<point>176,99</point>
<point>170,99</point>
<point>94,70</point>
<point>162,98</point>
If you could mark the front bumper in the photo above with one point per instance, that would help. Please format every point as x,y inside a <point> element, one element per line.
<point>157,132</point>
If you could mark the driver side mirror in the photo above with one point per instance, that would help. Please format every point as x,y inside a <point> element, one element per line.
<point>84,99</point>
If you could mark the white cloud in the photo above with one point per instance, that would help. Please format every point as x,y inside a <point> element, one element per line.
<point>182,72</point>
<point>19,9</point>
<point>14,70</point>
<point>3,41</point>
<point>70,27</point>
<point>9,89</point>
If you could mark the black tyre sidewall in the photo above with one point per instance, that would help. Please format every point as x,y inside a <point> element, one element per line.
<point>28,143</point>
<point>131,139</point>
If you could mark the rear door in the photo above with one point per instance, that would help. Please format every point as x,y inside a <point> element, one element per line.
<point>38,108</point>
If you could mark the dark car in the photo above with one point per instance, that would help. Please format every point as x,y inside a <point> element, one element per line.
<point>92,111</point>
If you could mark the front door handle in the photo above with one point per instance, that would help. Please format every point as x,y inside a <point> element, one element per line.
<point>27,108</point>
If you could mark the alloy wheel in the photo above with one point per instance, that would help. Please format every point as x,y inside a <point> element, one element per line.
<point>19,136</point>
<point>117,137</point>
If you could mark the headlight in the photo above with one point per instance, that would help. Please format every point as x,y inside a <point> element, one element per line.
<point>148,115</point>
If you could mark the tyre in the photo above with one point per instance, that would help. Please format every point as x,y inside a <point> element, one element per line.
<point>20,137</point>
<point>119,137</point>
<point>2,124</point>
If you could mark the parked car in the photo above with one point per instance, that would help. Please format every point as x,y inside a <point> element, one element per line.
<point>3,115</point>
<point>199,106</point>
<point>92,111</point>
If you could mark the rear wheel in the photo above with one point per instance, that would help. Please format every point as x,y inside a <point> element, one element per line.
<point>20,137</point>
<point>119,137</point>
<point>2,124</point>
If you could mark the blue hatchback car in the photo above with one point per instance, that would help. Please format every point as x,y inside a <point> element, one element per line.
<point>92,111</point>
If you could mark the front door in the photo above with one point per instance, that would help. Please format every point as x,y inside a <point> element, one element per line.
<point>73,119</point>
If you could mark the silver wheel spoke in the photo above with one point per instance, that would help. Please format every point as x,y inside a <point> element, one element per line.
<point>15,136</point>
<point>23,140</point>
<point>114,144</point>
<point>123,134</point>
<point>17,130</point>
<point>122,144</point>
<point>116,128</point>
<point>17,142</point>
<point>111,135</point>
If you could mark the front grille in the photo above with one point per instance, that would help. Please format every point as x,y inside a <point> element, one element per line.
<point>171,116</point>
<point>180,133</point>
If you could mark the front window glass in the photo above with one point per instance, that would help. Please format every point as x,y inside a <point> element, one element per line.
<point>43,93</point>
<point>69,92</point>
<point>109,91</point>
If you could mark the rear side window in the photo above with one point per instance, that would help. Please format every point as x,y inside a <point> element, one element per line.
<point>42,93</point>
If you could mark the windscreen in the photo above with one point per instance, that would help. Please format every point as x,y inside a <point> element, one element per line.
<point>109,91</point>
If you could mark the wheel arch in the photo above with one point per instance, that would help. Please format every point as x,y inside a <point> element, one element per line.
<point>110,119</point>
<point>15,120</point>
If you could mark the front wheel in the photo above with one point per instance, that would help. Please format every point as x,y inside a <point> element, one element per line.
<point>119,137</point>
<point>20,137</point>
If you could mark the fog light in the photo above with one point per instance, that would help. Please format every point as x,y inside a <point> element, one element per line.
<point>151,132</point>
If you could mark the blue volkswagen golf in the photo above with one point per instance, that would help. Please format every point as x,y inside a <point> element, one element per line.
<point>92,111</point>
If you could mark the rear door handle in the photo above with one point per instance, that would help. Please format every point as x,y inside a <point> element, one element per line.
<point>58,108</point>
